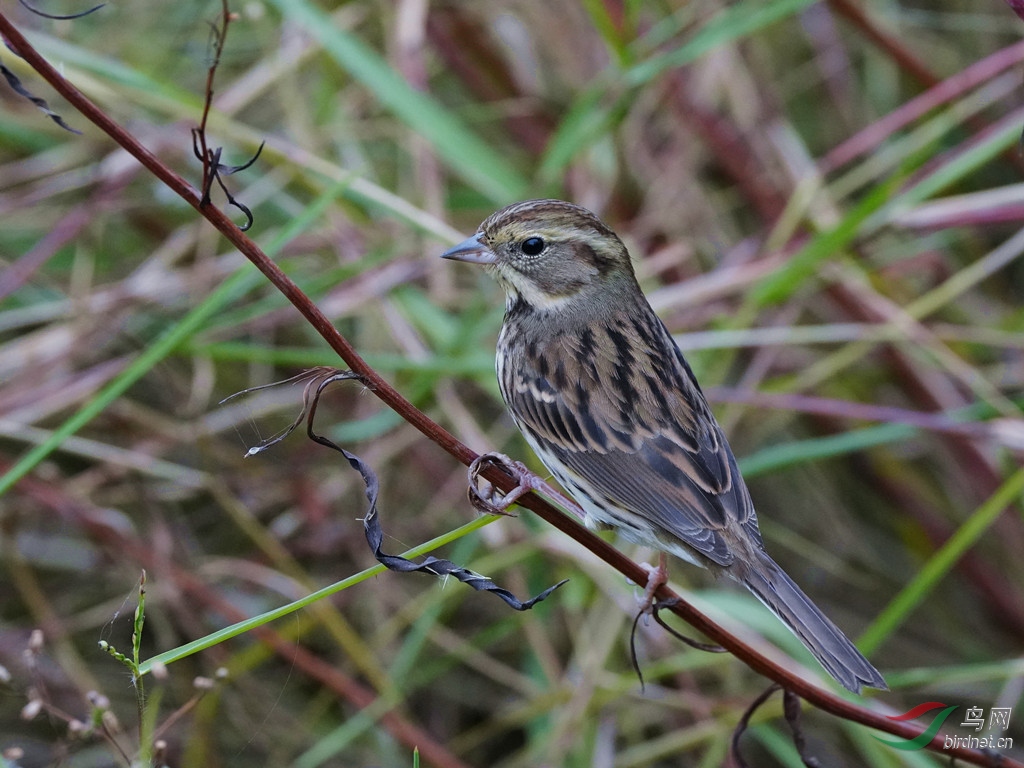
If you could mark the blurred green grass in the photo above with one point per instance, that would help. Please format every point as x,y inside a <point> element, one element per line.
<point>703,134</point>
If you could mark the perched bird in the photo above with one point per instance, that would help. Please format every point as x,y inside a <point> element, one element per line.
<point>605,398</point>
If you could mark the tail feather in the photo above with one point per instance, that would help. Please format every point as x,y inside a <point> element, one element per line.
<point>825,640</point>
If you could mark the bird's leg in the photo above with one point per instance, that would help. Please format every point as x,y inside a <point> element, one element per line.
<point>490,501</point>
<point>656,576</point>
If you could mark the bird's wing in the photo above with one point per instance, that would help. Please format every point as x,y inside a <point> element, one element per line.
<point>616,409</point>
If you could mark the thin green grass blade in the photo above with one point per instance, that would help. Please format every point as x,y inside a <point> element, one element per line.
<point>814,449</point>
<point>402,666</point>
<point>331,744</point>
<point>232,288</point>
<point>734,22</point>
<point>592,114</point>
<point>157,91</point>
<point>1007,134</point>
<point>607,28</point>
<point>800,451</point>
<point>589,118</point>
<point>912,595</point>
<point>176,654</point>
<point>784,281</point>
<point>484,168</point>
<point>956,675</point>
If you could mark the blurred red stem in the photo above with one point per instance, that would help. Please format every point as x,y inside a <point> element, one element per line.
<point>904,58</point>
<point>869,138</point>
<point>889,43</point>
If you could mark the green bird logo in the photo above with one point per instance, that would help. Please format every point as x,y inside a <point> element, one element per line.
<point>926,736</point>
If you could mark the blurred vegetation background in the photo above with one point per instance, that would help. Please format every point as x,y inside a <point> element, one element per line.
<point>821,199</point>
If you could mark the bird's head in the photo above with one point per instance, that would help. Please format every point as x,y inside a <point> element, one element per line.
<point>547,253</point>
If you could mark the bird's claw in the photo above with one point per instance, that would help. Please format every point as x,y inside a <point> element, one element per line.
<point>657,575</point>
<point>484,496</point>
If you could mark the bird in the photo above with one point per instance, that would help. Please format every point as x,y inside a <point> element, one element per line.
<point>606,400</point>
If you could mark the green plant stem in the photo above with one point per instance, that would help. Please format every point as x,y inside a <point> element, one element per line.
<point>901,606</point>
<point>236,285</point>
<point>176,654</point>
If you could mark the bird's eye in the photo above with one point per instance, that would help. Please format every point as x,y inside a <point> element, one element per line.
<point>531,246</point>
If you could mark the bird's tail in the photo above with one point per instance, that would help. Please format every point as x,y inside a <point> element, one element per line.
<point>825,640</point>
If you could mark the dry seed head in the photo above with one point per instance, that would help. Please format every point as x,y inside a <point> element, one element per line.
<point>32,709</point>
<point>78,728</point>
<point>110,721</point>
<point>36,640</point>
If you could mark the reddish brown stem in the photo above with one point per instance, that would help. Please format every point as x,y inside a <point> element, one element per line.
<point>867,139</point>
<point>891,44</point>
<point>903,56</point>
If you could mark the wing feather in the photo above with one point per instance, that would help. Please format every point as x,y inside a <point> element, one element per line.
<point>625,419</point>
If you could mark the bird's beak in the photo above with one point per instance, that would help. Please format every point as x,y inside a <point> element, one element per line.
<point>472,251</point>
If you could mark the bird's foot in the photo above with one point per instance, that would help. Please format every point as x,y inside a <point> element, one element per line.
<point>486,498</point>
<point>657,575</point>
